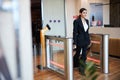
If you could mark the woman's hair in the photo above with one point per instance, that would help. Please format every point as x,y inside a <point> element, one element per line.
<point>81,10</point>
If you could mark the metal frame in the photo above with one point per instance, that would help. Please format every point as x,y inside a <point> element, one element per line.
<point>68,64</point>
<point>104,56</point>
<point>104,52</point>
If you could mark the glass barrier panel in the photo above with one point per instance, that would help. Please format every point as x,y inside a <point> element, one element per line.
<point>56,55</point>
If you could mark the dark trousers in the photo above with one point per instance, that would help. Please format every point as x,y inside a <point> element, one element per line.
<point>77,57</point>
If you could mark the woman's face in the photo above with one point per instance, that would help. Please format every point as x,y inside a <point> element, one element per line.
<point>83,14</point>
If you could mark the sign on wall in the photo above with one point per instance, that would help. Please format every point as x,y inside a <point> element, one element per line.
<point>53,14</point>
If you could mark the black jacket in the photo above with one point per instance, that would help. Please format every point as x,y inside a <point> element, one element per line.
<point>80,37</point>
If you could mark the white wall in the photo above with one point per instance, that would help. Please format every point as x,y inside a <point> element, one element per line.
<point>53,10</point>
<point>83,4</point>
<point>72,9</point>
<point>73,6</point>
<point>70,12</point>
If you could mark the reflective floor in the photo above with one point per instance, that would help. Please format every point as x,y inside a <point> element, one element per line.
<point>46,74</point>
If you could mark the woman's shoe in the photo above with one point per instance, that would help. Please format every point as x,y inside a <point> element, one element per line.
<point>82,70</point>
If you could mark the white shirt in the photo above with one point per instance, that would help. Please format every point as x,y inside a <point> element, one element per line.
<point>84,24</point>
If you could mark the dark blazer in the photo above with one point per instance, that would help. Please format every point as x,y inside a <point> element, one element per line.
<point>80,37</point>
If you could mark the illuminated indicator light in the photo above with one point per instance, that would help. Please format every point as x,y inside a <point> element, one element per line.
<point>58,45</point>
<point>96,42</point>
<point>56,64</point>
<point>95,60</point>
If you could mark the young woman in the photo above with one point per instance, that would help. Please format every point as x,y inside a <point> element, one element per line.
<point>81,39</point>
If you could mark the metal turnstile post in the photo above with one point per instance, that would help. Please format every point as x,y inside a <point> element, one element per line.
<point>68,59</point>
<point>104,55</point>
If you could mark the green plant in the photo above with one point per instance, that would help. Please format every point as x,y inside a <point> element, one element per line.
<point>90,71</point>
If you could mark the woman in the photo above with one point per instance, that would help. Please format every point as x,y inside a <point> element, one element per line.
<point>81,39</point>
